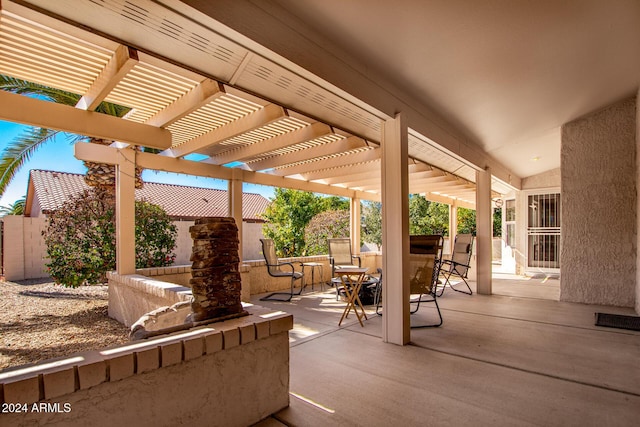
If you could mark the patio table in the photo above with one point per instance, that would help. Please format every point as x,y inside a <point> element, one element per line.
<point>352,279</point>
<point>314,266</point>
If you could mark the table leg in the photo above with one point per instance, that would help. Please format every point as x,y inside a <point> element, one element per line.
<point>351,289</point>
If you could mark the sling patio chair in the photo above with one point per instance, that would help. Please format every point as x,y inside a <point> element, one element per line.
<point>377,291</point>
<point>274,268</point>
<point>340,256</point>
<point>424,260</point>
<point>458,265</point>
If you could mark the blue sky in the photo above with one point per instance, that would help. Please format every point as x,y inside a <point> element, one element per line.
<point>58,156</point>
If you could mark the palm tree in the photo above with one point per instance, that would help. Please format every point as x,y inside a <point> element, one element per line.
<point>23,146</point>
<point>16,208</point>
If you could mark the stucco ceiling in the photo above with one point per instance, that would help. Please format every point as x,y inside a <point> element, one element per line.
<point>507,74</point>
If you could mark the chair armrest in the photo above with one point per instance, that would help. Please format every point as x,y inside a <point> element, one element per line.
<point>453,263</point>
<point>290,264</point>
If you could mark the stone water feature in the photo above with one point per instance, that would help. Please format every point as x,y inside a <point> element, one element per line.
<point>215,283</point>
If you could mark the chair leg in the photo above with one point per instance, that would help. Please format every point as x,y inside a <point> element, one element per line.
<point>290,294</point>
<point>447,275</point>
<point>377,298</point>
<point>470,292</point>
<point>435,325</point>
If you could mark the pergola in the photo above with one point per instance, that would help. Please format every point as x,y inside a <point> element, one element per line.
<point>217,105</point>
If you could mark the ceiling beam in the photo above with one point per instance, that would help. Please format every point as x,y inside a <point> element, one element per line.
<point>297,136</point>
<point>342,171</point>
<point>36,112</point>
<point>205,92</point>
<point>447,200</point>
<point>339,146</point>
<point>345,160</point>
<point>337,179</point>
<point>123,60</point>
<point>251,121</point>
<point>106,154</point>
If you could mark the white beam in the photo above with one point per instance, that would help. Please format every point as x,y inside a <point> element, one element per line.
<point>355,212</point>
<point>347,170</point>
<point>35,112</point>
<point>307,133</point>
<point>202,94</point>
<point>395,231</point>
<point>123,60</point>
<point>251,121</point>
<point>484,233</point>
<point>125,212</point>
<point>346,160</point>
<point>340,146</point>
<point>105,154</point>
<point>371,173</point>
<point>453,223</point>
<point>234,187</point>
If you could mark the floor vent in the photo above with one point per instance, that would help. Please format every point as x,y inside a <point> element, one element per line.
<point>618,321</point>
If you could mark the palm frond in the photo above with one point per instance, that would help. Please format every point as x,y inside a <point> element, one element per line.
<point>24,87</point>
<point>20,150</point>
<point>16,208</point>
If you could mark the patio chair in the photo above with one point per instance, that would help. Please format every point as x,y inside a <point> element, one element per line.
<point>340,256</point>
<point>274,268</point>
<point>425,260</point>
<point>377,292</point>
<point>458,265</point>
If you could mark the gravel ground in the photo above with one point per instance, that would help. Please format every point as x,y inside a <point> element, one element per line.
<point>40,321</point>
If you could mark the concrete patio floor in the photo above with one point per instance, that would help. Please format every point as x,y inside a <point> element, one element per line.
<point>499,360</point>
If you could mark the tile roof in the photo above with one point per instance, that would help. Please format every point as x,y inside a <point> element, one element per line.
<point>53,188</point>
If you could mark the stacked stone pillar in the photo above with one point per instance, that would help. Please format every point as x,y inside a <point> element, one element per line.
<point>215,283</point>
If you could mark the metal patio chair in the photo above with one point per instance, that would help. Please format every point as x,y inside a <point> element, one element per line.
<point>274,268</point>
<point>340,256</point>
<point>458,265</point>
<point>425,259</point>
<point>377,291</point>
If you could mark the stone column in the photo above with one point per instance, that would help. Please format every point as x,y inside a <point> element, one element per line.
<point>215,283</point>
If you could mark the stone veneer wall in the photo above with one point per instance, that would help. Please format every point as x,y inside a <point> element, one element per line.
<point>599,207</point>
<point>232,373</point>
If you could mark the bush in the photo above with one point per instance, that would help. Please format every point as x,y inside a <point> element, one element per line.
<point>325,225</point>
<point>80,238</point>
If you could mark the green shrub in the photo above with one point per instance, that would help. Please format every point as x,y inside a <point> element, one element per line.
<point>80,238</point>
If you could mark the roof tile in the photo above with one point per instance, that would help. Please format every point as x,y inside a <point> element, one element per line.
<point>54,188</point>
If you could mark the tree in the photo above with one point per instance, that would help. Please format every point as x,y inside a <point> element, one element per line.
<point>372,223</point>
<point>25,145</point>
<point>80,238</point>
<point>16,208</point>
<point>426,217</point>
<point>466,221</point>
<point>497,222</point>
<point>287,216</point>
<point>326,225</point>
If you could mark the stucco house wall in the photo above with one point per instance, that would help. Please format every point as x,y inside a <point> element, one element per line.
<point>599,207</point>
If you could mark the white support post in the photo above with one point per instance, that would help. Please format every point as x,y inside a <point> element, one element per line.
<point>354,224</point>
<point>484,233</point>
<point>395,231</point>
<point>235,204</point>
<point>453,224</point>
<point>125,212</point>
